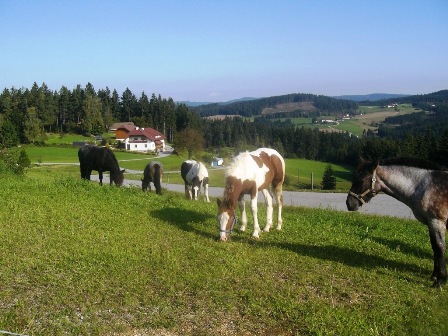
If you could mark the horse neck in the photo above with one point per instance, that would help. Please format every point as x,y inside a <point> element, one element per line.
<point>232,191</point>
<point>399,181</point>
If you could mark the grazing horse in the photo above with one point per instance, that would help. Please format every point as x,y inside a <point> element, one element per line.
<point>194,175</point>
<point>153,173</point>
<point>421,185</point>
<point>250,173</point>
<point>100,159</point>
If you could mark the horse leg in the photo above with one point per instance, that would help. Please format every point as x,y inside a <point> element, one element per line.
<point>187,191</point>
<point>206,193</point>
<point>242,206</point>
<point>437,231</point>
<point>100,173</point>
<point>279,196</point>
<point>254,209</point>
<point>270,210</point>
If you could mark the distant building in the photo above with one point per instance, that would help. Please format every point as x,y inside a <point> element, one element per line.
<point>217,162</point>
<point>144,140</point>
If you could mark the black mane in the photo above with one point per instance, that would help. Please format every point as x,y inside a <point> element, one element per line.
<point>412,162</point>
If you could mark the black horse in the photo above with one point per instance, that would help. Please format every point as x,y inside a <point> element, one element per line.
<point>100,159</point>
<point>421,185</point>
<point>153,173</point>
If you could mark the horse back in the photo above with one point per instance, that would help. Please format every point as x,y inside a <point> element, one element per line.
<point>98,158</point>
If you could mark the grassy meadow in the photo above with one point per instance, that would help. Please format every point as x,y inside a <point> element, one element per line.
<point>80,259</point>
<point>298,171</point>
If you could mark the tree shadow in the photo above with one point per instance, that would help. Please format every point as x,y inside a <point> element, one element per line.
<point>185,220</point>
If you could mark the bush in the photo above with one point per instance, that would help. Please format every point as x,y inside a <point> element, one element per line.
<point>13,161</point>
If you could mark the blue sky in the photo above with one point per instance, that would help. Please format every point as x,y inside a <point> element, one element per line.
<point>223,50</point>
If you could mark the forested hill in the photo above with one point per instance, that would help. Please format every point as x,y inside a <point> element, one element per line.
<point>434,117</point>
<point>287,105</point>
<point>430,98</point>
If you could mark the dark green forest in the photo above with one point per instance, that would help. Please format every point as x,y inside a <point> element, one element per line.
<point>315,106</point>
<point>26,115</point>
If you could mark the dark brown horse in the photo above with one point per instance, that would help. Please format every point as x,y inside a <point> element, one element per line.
<point>100,159</point>
<point>421,185</point>
<point>250,173</point>
<point>153,173</point>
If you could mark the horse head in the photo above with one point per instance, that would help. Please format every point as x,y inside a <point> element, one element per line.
<point>118,177</point>
<point>226,219</point>
<point>364,186</point>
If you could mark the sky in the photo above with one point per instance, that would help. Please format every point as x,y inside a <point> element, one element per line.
<point>216,51</point>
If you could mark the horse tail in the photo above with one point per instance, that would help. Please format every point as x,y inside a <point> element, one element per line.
<point>158,171</point>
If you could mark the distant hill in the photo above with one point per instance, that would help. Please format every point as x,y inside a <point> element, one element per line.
<point>195,104</point>
<point>371,97</point>
<point>291,105</point>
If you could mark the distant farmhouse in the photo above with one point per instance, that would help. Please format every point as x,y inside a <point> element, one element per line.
<point>138,139</point>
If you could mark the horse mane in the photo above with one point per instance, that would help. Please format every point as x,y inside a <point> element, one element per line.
<point>412,162</point>
<point>227,199</point>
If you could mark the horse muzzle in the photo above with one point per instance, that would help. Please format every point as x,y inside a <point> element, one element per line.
<point>352,203</point>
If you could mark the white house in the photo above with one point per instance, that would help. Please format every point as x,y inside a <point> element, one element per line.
<point>145,140</point>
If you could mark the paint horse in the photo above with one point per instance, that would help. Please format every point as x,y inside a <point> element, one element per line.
<point>195,176</point>
<point>153,173</point>
<point>100,159</point>
<point>251,172</point>
<point>421,185</point>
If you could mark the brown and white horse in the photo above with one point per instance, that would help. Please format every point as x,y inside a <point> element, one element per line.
<point>250,173</point>
<point>421,185</point>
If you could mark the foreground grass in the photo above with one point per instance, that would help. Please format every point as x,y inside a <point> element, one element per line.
<point>81,259</point>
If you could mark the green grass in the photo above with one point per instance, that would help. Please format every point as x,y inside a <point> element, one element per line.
<point>80,259</point>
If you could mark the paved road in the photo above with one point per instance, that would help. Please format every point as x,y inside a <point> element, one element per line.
<point>380,205</point>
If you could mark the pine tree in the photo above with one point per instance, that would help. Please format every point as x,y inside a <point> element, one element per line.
<point>328,180</point>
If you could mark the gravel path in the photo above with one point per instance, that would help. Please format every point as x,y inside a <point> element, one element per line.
<point>380,205</point>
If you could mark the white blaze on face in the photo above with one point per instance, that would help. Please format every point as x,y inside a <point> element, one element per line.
<point>223,219</point>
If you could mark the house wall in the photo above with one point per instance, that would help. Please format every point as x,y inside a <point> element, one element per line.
<point>121,134</point>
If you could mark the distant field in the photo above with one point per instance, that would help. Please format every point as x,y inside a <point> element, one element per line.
<point>298,171</point>
<point>368,118</point>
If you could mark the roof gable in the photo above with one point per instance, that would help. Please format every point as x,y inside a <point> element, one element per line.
<point>148,132</point>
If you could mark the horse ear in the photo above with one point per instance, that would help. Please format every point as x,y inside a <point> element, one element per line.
<point>376,163</point>
<point>218,201</point>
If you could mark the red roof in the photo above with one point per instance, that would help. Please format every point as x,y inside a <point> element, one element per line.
<point>148,132</point>
<point>127,127</point>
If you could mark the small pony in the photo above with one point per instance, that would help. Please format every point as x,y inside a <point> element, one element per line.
<point>250,173</point>
<point>100,159</point>
<point>421,185</point>
<point>194,175</point>
<point>153,173</point>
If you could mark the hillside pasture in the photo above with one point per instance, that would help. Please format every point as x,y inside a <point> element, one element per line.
<point>298,171</point>
<point>80,259</point>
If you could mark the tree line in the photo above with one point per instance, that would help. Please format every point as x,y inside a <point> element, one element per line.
<point>26,114</point>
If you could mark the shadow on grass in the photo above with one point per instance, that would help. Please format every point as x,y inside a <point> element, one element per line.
<point>351,257</point>
<point>399,246</point>
<point>185,220</point>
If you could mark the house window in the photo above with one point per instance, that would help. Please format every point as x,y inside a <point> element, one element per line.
<point>146,145</point>
<point>135,146</point>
